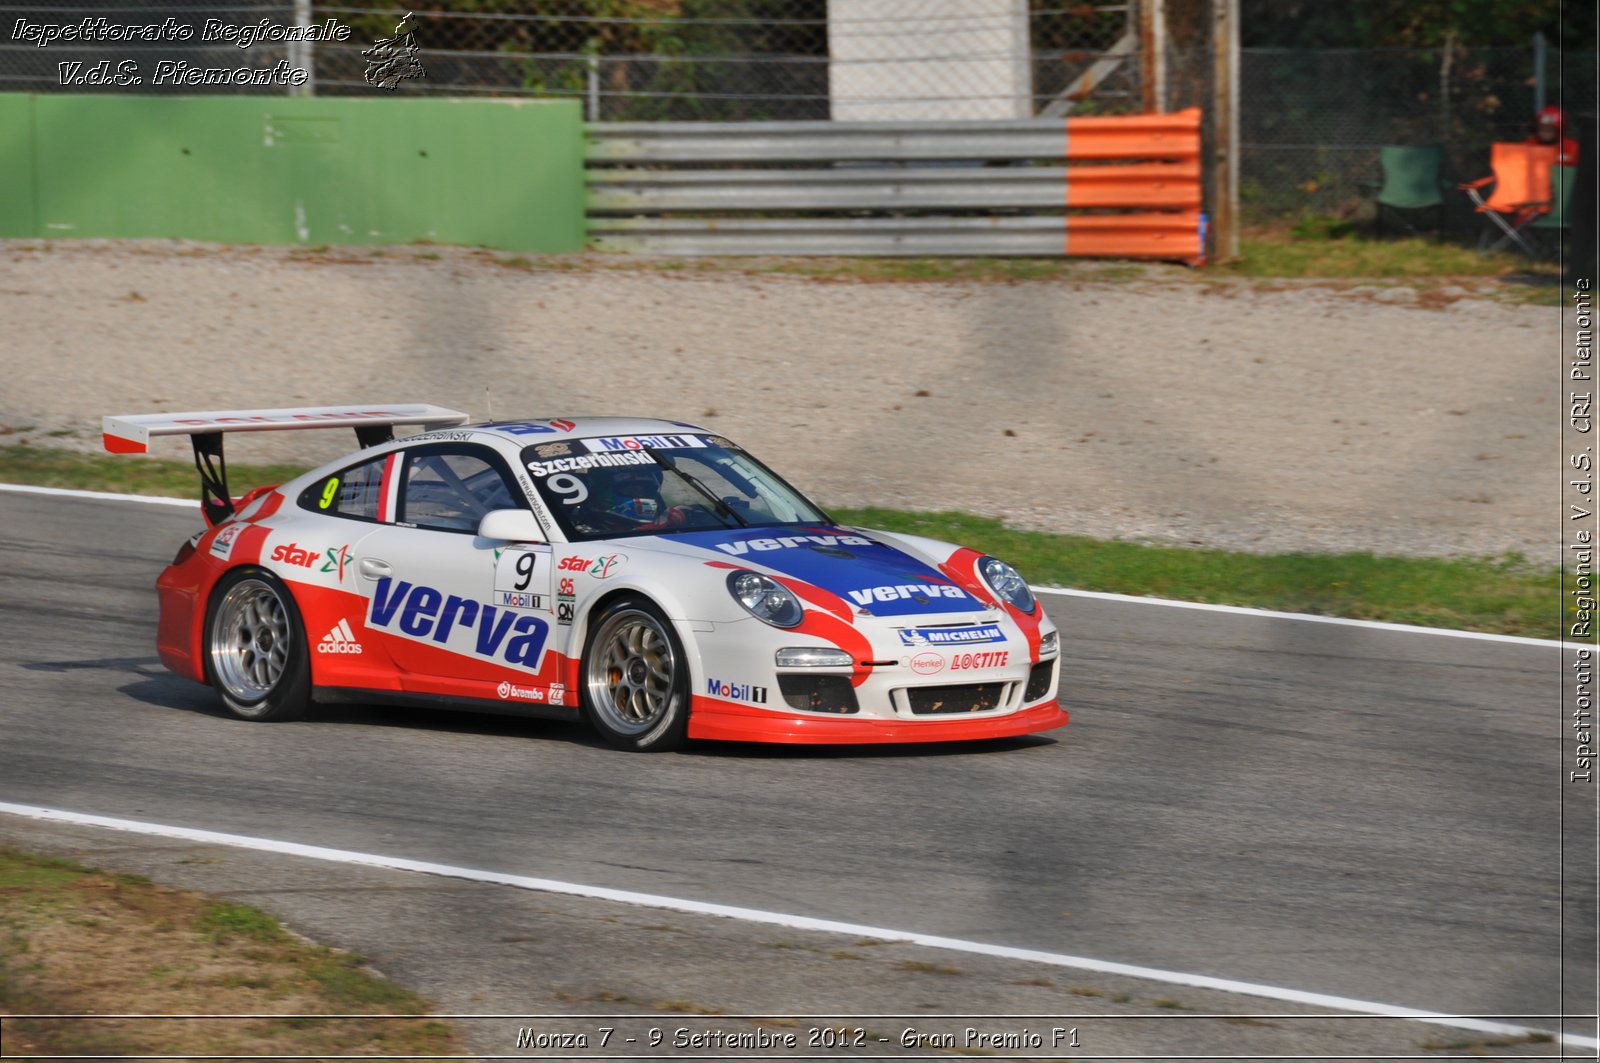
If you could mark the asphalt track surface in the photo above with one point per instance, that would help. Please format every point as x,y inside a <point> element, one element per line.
<point>1371,814</point>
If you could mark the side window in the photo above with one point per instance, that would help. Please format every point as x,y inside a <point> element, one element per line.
<point>353,492</point>
<point>450,489</point>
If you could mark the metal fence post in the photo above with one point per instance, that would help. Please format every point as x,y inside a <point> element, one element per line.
<point>1225,121</point>
<point>300,52</point>
<point>1538,71</point>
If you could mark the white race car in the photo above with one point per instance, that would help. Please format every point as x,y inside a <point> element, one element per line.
<point>649,574</point>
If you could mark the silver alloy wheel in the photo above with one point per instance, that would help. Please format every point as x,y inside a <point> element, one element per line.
<point>250,640</point>
<point>631,672</point>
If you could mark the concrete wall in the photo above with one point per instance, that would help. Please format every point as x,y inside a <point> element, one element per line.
<point>929,60</point>
<point>498,173</point>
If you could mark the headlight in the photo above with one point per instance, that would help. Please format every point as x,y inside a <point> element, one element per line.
<point>1006,582</point>
<point>765,598</point>
<point>1049,645</point>
<point>811,657</point>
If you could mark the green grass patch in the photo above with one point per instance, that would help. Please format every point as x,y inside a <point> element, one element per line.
<point>224,921</point>
<point>104,947</point>
<point>53,467</point>
<point>1505,595</point>
<point>1315,255</point>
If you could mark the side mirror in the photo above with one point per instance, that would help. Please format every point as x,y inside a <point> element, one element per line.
<point>511,525</point>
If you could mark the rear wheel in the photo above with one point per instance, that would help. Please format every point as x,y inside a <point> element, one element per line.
<point>635,678</point>
<point>255,651</point>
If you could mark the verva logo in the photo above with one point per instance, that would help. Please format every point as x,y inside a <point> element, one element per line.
<point>294,554</point>
<point>461,625</point>
<point>918,591</point>
<point>926,663</point>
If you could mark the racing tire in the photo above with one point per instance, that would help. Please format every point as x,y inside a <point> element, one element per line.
<point>255,648</point>
<point>635,678</point>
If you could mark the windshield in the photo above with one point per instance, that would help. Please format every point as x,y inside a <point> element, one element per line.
<point>609,486</point>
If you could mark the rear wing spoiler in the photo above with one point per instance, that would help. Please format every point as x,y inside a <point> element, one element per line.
<point>131,434</point>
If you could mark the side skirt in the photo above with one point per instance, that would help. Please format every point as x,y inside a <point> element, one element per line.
<point>358,696</point>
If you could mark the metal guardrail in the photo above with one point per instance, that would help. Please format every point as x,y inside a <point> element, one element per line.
<point>899,188</point>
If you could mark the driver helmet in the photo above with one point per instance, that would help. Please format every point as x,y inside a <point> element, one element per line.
<point>636,491</point>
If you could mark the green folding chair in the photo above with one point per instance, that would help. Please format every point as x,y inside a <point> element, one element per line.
<point>1411,186</point>
<point>1553,226</point>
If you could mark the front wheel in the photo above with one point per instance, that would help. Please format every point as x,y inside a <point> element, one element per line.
<point>255,651</point>
<point>635,678</point>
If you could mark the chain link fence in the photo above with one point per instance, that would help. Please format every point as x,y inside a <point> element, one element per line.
<point>1311,122</point>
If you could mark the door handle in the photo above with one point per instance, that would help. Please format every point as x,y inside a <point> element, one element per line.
<point>372,568</point>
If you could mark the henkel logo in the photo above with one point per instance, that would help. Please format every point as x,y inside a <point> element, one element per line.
<point>917,591</point>
<point>964,661</point>
<point>926,663</point>
<point>461,625</point>
<point>736,691</point>
<point>507,691</point>
<point>340,640</point>
<point>294,554</point>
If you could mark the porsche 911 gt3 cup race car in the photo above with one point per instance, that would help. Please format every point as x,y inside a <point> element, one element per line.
<point>650,575</point>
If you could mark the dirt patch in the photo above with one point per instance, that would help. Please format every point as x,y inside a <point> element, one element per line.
<point>105,947</point>
<point>1161,405</point>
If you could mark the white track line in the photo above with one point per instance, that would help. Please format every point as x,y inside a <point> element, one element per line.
<point>794,922</point>
<point>1377,625</point>
<point>29,489</point>
<point>1104,596</point>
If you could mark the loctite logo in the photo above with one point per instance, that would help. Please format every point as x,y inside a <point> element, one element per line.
<point>963,661</point>
<point>294,554</point>
<point>736,691</point>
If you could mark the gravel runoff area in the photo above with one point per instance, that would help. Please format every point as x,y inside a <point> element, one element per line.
<point>1172,408</point>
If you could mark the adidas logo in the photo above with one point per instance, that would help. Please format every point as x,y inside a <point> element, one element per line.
<point>340,640</point>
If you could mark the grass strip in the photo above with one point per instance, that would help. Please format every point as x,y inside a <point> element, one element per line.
<point>78,941</point>
<point>1504,595</point>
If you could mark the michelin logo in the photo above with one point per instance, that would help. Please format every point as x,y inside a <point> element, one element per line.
<point>951,636</point>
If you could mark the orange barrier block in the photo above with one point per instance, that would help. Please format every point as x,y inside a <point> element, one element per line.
<point>1147,185</point>
<point>1175,236</point>
<point>1136,136</point>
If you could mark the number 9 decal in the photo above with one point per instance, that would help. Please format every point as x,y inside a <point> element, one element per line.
<point>569,487</point>
<point>328,491</point>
